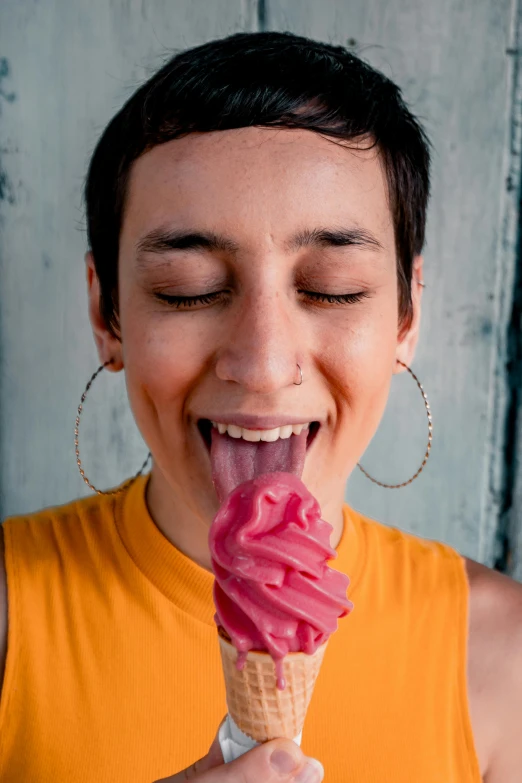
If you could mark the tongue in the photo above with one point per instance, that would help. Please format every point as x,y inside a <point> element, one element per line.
<point>235,460</point>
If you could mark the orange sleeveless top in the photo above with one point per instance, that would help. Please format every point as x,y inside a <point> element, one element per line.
<point>113,670</point>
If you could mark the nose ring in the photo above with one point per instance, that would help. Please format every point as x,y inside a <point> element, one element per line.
<point>301,374</point>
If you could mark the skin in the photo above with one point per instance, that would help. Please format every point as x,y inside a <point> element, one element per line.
<point>258,187</point>
<point>241,355</point>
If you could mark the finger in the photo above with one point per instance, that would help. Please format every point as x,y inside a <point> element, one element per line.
<point>278,761</point>
<point>213,759</point>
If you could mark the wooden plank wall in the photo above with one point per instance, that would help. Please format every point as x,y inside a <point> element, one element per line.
<point>66,68</point>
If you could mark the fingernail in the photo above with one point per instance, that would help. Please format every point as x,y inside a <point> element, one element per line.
<point>312,773</point>
<point>282,761</point>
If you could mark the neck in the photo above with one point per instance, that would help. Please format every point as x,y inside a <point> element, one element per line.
<point>188,531</point>
<point>178,522</point>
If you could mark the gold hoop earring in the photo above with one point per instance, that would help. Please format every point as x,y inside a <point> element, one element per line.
<point>430,437</point>
<point>76,448</point>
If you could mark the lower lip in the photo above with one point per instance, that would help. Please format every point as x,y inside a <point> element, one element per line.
<point>204,427</point>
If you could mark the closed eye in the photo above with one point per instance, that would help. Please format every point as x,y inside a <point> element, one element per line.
<point>337,298</point>
<point>190,301</point>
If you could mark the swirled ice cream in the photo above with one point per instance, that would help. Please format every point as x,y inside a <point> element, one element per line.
<point>274,591</point>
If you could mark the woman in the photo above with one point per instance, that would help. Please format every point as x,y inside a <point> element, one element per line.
<point>256,217</point>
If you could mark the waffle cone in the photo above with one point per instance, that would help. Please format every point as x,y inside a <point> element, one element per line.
<point>258,707</point>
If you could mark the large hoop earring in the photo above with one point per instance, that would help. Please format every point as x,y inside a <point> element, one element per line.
<point>430,437</point>
<point>77,450</point>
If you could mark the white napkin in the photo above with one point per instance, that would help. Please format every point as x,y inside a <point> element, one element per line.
<point>234,742</point>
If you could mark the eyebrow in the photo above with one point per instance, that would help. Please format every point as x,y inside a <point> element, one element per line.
<point>334,237</point>
<point>164,240</point>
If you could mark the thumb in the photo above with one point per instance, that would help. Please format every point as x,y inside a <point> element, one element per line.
<point>277,761</point>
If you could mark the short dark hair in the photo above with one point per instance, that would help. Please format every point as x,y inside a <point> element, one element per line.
<point>266,79</point>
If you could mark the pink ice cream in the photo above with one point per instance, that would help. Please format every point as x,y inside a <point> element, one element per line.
<point>274,590</point>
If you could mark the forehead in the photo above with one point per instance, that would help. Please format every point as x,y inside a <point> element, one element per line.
<point>258,182</point>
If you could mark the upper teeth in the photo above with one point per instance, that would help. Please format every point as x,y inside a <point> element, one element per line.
<point>254,435</point>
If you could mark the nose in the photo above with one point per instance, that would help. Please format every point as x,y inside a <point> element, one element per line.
<point>260,349</point>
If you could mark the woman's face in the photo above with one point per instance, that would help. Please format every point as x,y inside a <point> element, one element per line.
<point>289,212</point>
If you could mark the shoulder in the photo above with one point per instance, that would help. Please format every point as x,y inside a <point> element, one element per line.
<point>23,538</point>
<point>3,608</point>
<point>56,541</point>
<point>42,534</point>
<point>34,545</point>
<point>420,564</point>
<point>495,668</point>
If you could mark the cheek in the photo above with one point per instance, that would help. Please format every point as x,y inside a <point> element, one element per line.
<point>163,357</point>
<point>365,351</point>
<point>359,362</point>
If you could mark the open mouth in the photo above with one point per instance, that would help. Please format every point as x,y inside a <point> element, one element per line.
<point>235,460</point>
<point>205,428</point>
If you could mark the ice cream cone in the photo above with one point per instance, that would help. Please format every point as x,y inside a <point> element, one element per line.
<point>260,709</point>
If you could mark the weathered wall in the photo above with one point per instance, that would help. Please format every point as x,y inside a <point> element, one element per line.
<point>510,523</point>
<point>454,63</point>
<point>68,66</point>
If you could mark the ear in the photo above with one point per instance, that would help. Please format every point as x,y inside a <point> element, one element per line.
<point>109,347</point>
<point>408,338</point>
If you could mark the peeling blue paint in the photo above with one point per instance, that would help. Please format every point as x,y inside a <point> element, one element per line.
<point>7,191</point>
<point>6,187</point>
<point>507,524</point>
<point>4,73</point>
<point>262,12</point>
